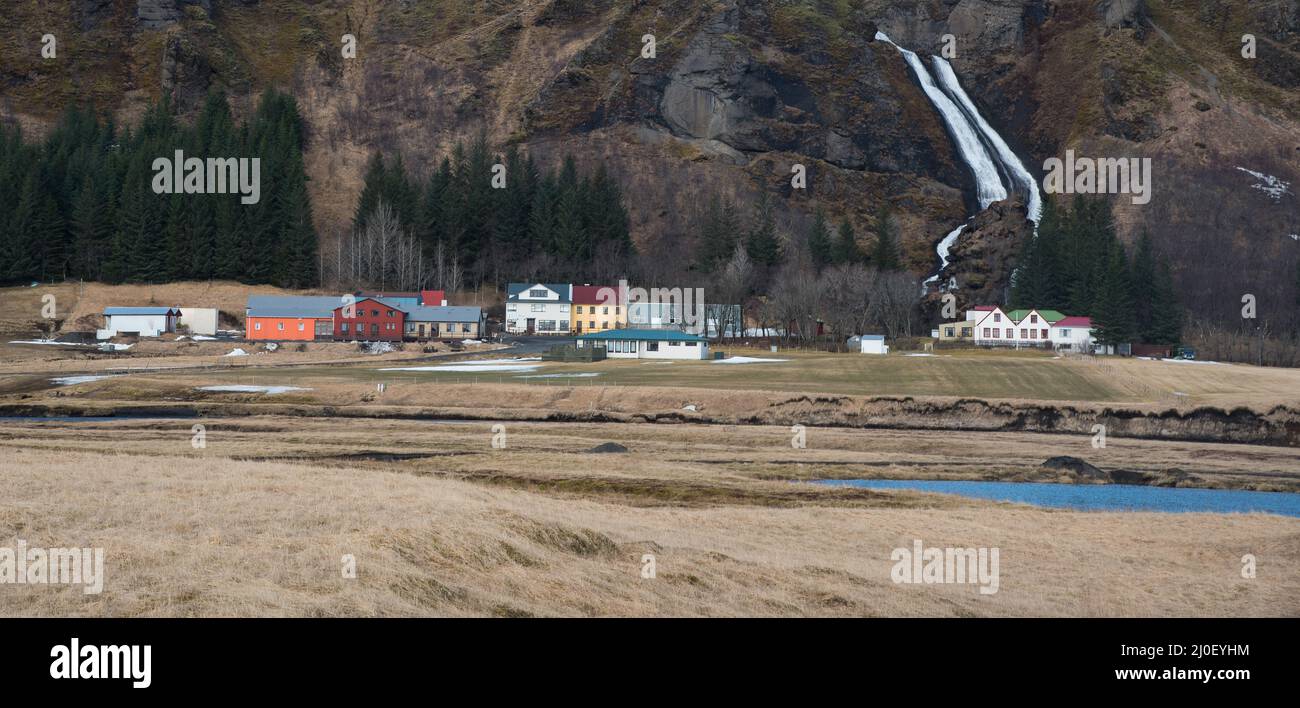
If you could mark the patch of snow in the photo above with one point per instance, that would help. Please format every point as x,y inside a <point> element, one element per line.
<point>481,366</point>
<point>920,354</point>
<point>44,341</point>
<point>747,360</point>
<point>245,388</point>
<point>237,352</point>
<point>182,338</point>
<point>559,376</point>
<point>471,342</point>
<point>74,380</point>
<point>1272,186</point>
<point>689,407</point>
<point>203,338</point>
<point>379,348</point>
<point>1178,361</point>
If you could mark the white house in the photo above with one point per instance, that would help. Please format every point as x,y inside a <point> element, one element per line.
<point>199,320</point>
<point>540,308</point>
<point>1073,334</point>
<point>646,344</point>
<point>143,321</point>
<point>869,344</point>
<point>1016,328</point>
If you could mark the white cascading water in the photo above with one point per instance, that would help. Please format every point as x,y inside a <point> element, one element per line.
<point>1024,181</point>
<point>942,249</point>
<point>974,138</point>
<point>988,183</point>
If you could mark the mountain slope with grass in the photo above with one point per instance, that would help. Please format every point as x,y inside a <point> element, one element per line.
<point>736,94</point>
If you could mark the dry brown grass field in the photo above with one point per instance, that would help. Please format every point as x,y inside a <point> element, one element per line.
<point>543,527</point>
<point>406,480</point>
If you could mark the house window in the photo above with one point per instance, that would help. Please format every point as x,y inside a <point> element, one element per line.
<point>564,325</point>
<point>374,329</point>
<point>1033,319</point>
<point>546,325</point>
<point>1044,334</point>
<point>948,332</point>
<point>652,346</point>
<point>690,344</point>
<point>604,325</point>
<point>674,344</point>
<point>997,317</point>
<point>1065,333</point>
<point>390,313</point>
<point>301,326</point>
<point>257,326</point>
<point>616,309</point>
<point>1033,334</point>
<point>1024,333</point>
<point>966,331</point>
<point>591,324</point>
<point>997,332</point>
<point>986,332</point>
<point>538,307</point>
<point>537,293</point>
<point>279,326</point>
<point>606,311</point>
<point>345,328</point>
<point>579,309</point>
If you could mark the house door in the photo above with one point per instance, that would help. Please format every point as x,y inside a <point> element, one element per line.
<point>532,324</point>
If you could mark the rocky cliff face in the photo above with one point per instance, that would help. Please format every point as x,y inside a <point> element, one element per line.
<point>740,91</point>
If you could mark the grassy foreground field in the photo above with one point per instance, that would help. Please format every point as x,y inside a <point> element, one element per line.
<point>442,523</point>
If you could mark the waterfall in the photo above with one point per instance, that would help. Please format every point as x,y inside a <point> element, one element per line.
<point>943,248</point>
<point>985,153</point>
<point>988,183</point>
<point>1011,164</point>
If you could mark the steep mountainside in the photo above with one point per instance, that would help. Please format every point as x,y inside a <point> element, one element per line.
<point>737,93</point>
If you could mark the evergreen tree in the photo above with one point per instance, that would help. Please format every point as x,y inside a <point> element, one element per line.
<point>1112,313</point>
<point>761,244</point>
<point>846,244</point>
<point>885,255</point>
<point>1166,324</point>
<point>1144,284</point>
<point>719,234</point>
<point>819,240</point>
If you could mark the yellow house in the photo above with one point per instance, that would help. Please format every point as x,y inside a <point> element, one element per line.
<point>597,308</point>
<point>956,331</point>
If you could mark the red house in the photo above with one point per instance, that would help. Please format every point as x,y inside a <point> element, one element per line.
<point>371,321</point>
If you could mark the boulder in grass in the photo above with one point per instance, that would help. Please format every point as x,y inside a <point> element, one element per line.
<point>1077,467</point>
<point>608,447</point>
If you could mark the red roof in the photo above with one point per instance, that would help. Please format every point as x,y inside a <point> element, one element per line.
<point>985,308</point>
<point>592,295</point>
<point>1074,322</point>
<point>432,298</point>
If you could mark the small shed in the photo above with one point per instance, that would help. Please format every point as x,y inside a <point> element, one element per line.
<point>869,344</point>
<point>142,321</point>
<point>199,320</point>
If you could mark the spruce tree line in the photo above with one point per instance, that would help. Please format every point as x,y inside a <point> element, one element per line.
<point>722,228</point>
<point>80,204</point>
<point>1078,265</point>
<point>562,224</point>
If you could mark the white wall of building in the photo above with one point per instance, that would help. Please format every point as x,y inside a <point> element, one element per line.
<point>145,325</point>
<point>635,349</point>
<point>1077,339</point>
<point>199,320</point>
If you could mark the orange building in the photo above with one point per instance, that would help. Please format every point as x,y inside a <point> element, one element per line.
<point>290,318</point>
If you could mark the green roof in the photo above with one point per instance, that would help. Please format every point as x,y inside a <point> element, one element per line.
<point>1049,315</point>
<point>657,335</point>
